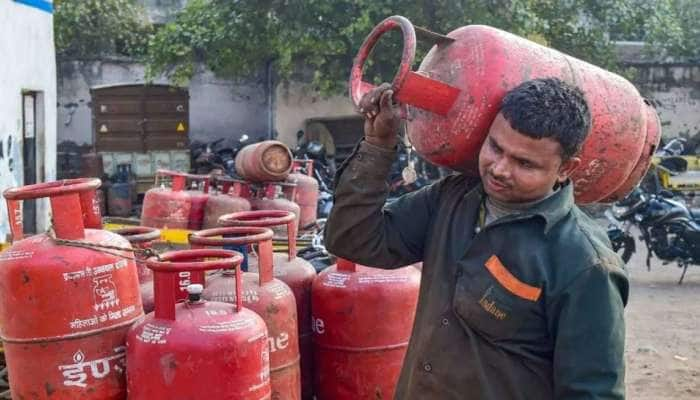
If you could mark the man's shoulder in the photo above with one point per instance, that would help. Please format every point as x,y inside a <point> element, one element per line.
<point>581,240</point>
<point>456,184</point>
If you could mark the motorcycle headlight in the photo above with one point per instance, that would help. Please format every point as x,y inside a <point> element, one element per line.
<point>638,217</point>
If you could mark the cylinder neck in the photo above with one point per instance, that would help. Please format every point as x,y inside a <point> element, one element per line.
<point>346,265</point>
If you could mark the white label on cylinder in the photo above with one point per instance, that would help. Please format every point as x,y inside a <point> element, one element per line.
<point>335,279</point>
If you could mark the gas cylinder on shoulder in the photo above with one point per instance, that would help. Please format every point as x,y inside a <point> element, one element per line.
<point>197,349</point>
<point>65,310</point>
<point>272,197</point>
<point>455,95</point>
<point>141,238</point>
<point>271,298</point>
<point>359,352</point>
<point>228,199</point>
<point>296,272</point>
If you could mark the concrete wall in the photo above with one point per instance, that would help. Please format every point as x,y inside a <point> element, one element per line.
<point>675,91</point>
<point>296,102</point>
<point>218,108</point>
<point>29,64</point>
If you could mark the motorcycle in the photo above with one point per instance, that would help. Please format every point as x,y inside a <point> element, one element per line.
<point>669,229</point>
<point>219,154</point>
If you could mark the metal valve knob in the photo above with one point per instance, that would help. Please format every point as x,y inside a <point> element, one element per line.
<point>194,292</point>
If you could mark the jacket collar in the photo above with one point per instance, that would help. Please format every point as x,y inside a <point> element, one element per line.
<point>551,210</point>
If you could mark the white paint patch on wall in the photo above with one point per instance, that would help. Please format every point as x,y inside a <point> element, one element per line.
<point>29,64</point>
<point>679,111</point>
<point>297,102</point>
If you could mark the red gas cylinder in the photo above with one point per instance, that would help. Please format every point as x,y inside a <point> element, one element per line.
<point>269,297</point>
<point>65,310</point>
<point>142,237</point>
<point>296,272</point>
<point>197,349</point>
<point>457,91</point>
<point>228,200</point>
<point>265,161</point>
<point>306,194</point>
<point>167,207</point>
<point>651,142</point>
<point>362,321</point>
<point>272,197</point>
<point>199,196</point>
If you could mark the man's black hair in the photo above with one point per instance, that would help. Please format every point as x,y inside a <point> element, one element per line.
<point>549,108</point>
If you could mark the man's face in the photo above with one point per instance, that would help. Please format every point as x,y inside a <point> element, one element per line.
<point>515,168</point>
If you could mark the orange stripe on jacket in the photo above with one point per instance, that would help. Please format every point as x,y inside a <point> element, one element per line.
<point>510,282</point>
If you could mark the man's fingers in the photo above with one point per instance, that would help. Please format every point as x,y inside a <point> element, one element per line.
<point>370,101</point>
<point>385,101</point>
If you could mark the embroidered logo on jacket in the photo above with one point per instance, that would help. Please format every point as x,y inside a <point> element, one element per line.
<point>491,307</point>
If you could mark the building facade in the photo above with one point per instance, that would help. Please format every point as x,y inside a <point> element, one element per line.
<point>27,103</point>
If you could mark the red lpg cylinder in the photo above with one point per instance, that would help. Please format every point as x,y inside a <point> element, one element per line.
<point>65,310</point>
<point>456,93</point>
<point>269,160</point>
<point>306,194</point>
<point>296,272</point>
<point>197,349</point>
<point>142,237</point>
<point>228,200</point>
<point>653,136</point>
<point>362,321</point>
<point>272,198</point>
<point>198,200</point>
<point>269,297</point>
<point>167,207</point>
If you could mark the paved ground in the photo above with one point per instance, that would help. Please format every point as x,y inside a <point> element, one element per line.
<point>663,332</point>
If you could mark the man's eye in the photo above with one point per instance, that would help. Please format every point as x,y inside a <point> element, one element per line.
<point>525,164</point>
<point>495,147</point>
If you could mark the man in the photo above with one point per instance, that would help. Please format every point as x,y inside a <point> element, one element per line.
<point>521,296</point>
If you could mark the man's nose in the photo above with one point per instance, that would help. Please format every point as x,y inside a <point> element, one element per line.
<point>500,168</point>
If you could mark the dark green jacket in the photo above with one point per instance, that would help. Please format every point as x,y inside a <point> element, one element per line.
<point>530,308</point>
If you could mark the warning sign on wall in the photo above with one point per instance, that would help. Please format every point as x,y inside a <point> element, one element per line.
<point>103,128</point>
<point>180,127</point>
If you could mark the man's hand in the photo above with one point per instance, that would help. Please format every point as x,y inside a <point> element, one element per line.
<point>382,117</point>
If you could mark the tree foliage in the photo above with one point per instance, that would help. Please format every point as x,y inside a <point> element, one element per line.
<point>237,38</point>
<point>94,28</point>
<point>674,32</point>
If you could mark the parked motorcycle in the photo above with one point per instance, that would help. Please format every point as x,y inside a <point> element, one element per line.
<point>669,229</point>
<point>219,154</point>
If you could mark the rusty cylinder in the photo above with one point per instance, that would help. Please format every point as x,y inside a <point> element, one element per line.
<point>265,161</point>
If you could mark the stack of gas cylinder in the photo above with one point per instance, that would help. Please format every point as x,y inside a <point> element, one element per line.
<point>84,290</point>
<point>271,180</point>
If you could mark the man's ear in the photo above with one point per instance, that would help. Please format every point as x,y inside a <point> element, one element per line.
<point>567,168</point>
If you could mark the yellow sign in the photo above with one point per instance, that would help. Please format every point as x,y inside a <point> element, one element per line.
<point>103,128</point>
<point>180,127</point>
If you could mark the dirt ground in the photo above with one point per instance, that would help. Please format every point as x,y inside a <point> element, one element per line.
<point>663,331</point>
